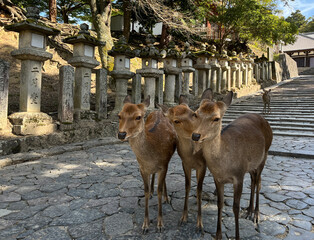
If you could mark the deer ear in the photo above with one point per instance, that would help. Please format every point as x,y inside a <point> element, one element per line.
<point>183,100</point>
<point>147,101</point>
<point>163,108</point>
<point>208,94</point>
<point>228,98</point>
<point>127,99</point>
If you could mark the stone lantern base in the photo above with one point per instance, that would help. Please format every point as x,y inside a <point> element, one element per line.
<point>27,123</point>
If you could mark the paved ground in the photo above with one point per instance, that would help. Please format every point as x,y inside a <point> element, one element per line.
<point>93,190</point>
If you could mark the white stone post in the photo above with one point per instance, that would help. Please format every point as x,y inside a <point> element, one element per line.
<point>66,84</point>
<point>136,88</point>
<point>4,94</point>
<point>101,93</point>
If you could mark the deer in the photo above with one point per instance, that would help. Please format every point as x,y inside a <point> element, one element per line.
<point>153,142</point>
<point>179,116</point>
<point>266,101</point>
<point>241,147</point>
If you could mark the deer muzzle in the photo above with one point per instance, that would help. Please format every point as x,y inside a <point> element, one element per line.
<point>121,135</point>
<point>196,136</point>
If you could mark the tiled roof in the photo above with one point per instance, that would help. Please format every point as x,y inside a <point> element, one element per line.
<point>305,41</point>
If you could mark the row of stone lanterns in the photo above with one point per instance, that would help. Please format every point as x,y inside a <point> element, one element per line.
<point>211,70</point>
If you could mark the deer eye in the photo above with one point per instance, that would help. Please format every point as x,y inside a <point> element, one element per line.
<point>119,117</point>
<point>176,121</point>
<point>216,119</point>
<point>138,118</point>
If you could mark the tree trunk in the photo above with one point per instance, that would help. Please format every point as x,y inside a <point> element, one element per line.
<point>126,19</point>
<point>101,14</point>
<point>164,40</point>
<point>53,10</point>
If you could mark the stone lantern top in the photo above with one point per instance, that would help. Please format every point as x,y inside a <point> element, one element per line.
<point>187,51</point>
<point>203,51</point>
<point>121,48</point>
<point>32,24</point>
<point>224,55</point>
<point>150,51</point>
<point>171,51</point>
<point>84,37</point>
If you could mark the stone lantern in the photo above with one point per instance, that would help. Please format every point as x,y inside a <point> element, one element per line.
<point>84,61</point>
<point>235,70</point>
<point>186,65</point>
<point>32,53</point>
<point>215,69</point>
<point>122,54</point>
<point>225,72</point>
<point>243,67</point>
<point>202,72</point>
<point>150,57</point>
<point>250,62</point>
<point>173,73</point>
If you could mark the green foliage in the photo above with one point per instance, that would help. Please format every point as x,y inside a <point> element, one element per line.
<point>297,18</point>
<point>308,26</point>
<point>247,20</point>
<point>69,11</point>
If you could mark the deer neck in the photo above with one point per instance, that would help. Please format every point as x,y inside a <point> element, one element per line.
<point>212,148</point>
<point>139,141</point>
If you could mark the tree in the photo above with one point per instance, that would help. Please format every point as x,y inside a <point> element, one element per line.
<point>53,10</point>
<point>296,18</point>
<point>246,20</point>
<point>308,26</point>
<point>101,18</point>
<point>11,8</point>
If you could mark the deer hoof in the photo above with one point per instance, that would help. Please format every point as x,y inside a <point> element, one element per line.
<point>200,230</point>
<point>145,230</point>
<point>160,229</point>
<point>183,220</point>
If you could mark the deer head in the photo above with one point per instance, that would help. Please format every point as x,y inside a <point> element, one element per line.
<point>182,117</point>
<point>210,116</point>
<point>131,118</point>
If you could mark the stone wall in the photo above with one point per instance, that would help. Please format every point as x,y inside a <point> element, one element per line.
<point>289,66</point>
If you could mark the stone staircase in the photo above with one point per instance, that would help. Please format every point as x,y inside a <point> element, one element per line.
<point>291,117</point>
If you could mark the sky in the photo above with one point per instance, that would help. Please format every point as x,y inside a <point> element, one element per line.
<point>305,6</point>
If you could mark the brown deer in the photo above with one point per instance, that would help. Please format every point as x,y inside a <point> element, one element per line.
<point>240,147</point>
<point>266,101</point>
<point>180,117</point>
<point>153,143</point>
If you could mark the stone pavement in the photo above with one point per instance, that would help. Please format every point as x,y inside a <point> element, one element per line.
<point>93,189</point>
<point>97,193</point>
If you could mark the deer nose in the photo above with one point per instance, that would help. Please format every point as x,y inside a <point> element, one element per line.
<point>121,135</point>
<point>196,136</point>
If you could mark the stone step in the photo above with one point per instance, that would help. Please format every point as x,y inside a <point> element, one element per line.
<point>281,112</point>
<point>276,116</point>
<point>280,120</point>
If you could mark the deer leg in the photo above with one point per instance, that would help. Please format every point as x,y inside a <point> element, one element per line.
<point>200,174</point>
<point>268,108</point>
<point>161,180</point>
<point>166,199</point>
<point>147,194</point>
<point>220,204</point>
<point>264,109</point>
<point>187,174</point>
<point>249,210</point>
<point>237,191</point>
<point>152,185</point>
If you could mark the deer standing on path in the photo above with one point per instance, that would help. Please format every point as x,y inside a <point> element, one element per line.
<point>240,147</point>
<point>266,101</point>
<point>153,143</point>
<point>180,117</point>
